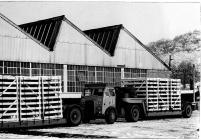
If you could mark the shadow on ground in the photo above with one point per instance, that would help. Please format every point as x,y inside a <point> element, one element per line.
<point>54,134</point>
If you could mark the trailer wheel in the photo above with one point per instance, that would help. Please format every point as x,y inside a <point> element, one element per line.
<point>74,116</point>
<point>133,114</point>
<point>110,116</point>
<point>187,112</point>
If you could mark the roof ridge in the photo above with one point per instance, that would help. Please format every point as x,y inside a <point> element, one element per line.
<point>106,27</point>
<point>106,37</point>
<point>85,35</point>
<point>45,20</point>
<point>46,31</point>
<point>148,49</point>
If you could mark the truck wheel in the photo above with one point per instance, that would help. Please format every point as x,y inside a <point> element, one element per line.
<point>133,114</point>
<point>74,116</point>
<point>187,112</point>
<point>110,116</point>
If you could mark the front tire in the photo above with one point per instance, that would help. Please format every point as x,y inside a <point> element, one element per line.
<point>110,116</point>
<point>74,116</point>
<point>187,112</point>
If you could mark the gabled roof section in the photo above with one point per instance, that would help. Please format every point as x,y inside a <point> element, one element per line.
<point>18,28</point>
<point>135,38</point>
<point>106,37</point>
<point>45,31</point>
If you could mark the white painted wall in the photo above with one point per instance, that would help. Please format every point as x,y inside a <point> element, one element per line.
<point>16,46</point>
<point>131,54</point>
<point>72,47</point>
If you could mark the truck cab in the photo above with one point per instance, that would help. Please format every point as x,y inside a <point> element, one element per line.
<point>99,101</point>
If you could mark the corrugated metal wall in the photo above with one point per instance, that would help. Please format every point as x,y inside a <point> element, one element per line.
<point>16,46</point>
<point>130,53</point>
<point>73,48</point>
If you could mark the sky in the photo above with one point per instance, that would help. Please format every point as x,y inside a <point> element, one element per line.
<point>147,21</point>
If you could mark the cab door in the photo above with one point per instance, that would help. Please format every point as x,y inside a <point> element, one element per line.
<point>109,99</point>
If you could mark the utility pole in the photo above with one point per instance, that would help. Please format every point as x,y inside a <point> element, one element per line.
<point>170,59</point>
<point>194,83</point>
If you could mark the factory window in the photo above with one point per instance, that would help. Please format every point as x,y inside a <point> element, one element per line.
<point>71,80</point>
<point>100,74</point>
<point>1,67</point>
<point>109,76</point>
<point>46,69</point>
<point>134,73</point>
<point>91,74</point>
<point>36,69</point>
<point>11,68</point>
<point>127,73</point>
<point>81,79</point>
<point>58,69</point>
<point>117,77</point>
<point>25,68</point>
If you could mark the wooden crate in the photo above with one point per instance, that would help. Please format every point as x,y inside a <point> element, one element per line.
<point>161,94</point>
<point>175,94</point>
<point>30,98</point>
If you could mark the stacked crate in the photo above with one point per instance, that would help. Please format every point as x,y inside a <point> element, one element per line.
<point>175,94</point>
<point>8,99</point>
<point>30,98</point>
<point>161,94</point>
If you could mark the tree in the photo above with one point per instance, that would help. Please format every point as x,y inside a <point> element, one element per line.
<point>186,42</point>
<point>184,71</point>
<point>163,46</point>
<point>185,50</point>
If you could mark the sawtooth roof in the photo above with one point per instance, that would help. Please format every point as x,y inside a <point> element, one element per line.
<point>106,37</point>
<point>45,31</point>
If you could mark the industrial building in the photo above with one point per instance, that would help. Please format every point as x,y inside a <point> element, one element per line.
<point>55,46</point>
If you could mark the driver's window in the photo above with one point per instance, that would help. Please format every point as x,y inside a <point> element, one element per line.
<point>112,93</point>
<point>98,92</point>
<point>107,93</point>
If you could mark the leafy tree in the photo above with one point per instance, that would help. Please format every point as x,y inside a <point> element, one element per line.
<point>184,49</point>
<point>186,42</point>
<point>163,46</point>
<point>184,71</point>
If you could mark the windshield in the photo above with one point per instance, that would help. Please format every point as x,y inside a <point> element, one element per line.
<point>96,91</point>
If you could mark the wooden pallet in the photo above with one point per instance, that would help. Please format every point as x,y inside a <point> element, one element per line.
<point>30,98</point>
<point>161,94</point>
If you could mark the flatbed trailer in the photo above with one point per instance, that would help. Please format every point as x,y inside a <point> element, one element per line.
<point>151,97</point>
<point>35,101</point>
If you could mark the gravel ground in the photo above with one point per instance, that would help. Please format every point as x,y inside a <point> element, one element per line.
<point>179,128</point>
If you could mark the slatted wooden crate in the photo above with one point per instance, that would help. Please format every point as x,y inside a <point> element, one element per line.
<point>30,98</point>
<point>175,94</point>
<point>8,99</point>
<point>161,94</point>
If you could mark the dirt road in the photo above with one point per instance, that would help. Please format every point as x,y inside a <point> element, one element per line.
<point>154,128</point>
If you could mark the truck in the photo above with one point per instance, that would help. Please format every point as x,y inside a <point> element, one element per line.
<point>36,101</point>
<point>136,98</point>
